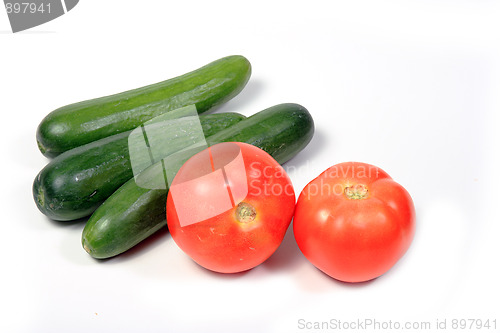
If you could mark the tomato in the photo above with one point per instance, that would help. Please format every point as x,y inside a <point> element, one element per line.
<point>354,222</point>
<point>229,207</point>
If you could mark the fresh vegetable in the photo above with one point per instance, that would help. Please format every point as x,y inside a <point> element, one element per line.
<point>354,222</point>
<point>76,182</point>
<point>81,123</point>
<point>133,213</point>
<point>229,207</point>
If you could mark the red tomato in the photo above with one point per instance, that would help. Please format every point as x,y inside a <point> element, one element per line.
<point>229,207</point>
<point>354,222</point>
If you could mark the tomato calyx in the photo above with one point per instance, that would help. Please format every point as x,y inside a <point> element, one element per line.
<point>356,192</point>
<point>245,212</point>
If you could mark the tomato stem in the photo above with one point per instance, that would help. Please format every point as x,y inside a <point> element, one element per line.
<point>356,192</point>
<point>245,212</point>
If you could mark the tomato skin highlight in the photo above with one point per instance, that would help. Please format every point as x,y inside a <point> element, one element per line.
<point>353,222</point>
<point>247,233</point>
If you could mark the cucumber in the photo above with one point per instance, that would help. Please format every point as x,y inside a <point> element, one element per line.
<point>84,122</point>
<point>133,213</point>
<point>76,182</point>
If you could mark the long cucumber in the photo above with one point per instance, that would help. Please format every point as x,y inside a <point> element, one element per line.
<point>80,123</point>
<point>76,182</point>
<point>133,213</point>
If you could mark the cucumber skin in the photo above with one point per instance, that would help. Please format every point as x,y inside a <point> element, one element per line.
<point>80,123</point>
<point>133,213</point>
<point>76,182</point>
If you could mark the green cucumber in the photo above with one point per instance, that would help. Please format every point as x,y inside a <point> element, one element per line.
<point>133,213</point>
<point>76,182</point>
<point>77,124</point>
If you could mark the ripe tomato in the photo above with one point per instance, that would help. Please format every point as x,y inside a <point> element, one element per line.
<point>229,207</point>
<point>354,222</point>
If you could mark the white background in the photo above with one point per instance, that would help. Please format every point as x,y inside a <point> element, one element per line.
<point>410,86</point>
